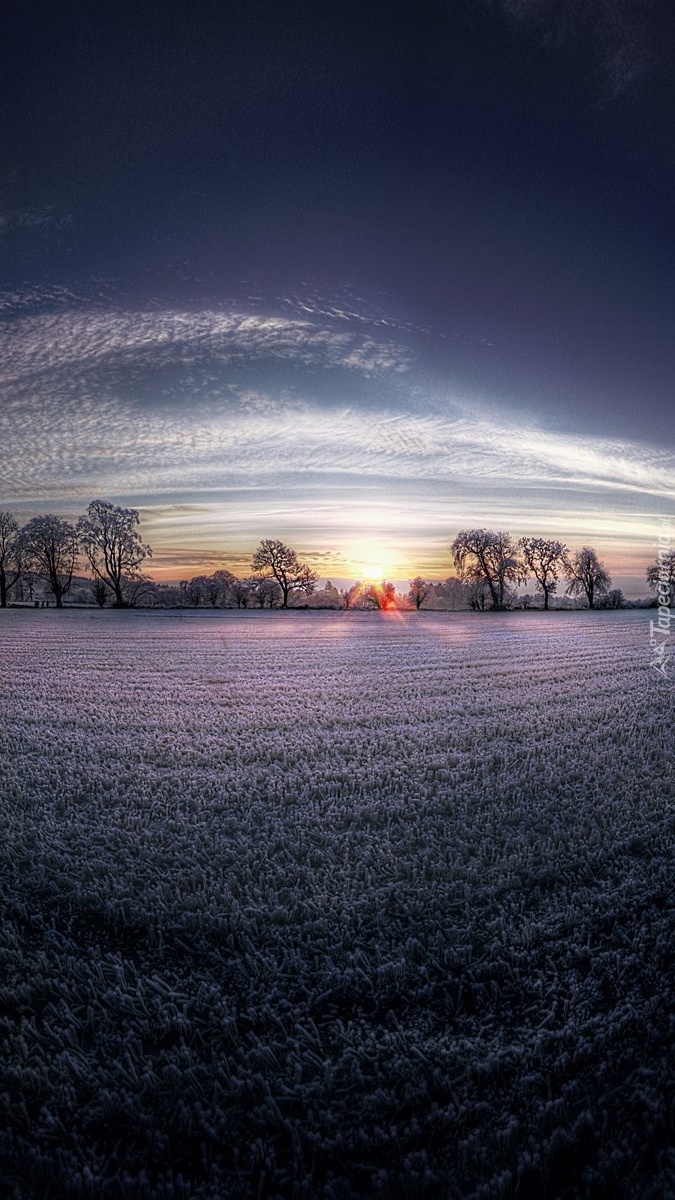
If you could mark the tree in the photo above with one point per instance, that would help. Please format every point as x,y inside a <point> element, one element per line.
<point>352,595</point>
<point>328,596</point>
<point>587,576</point>
<point>545,560</point>
<point>163,595</point>
<point>240,592</point>
<point>419,590</point>
<point>51,549</point>
<point>281,563</point>
<point>137,587</point>
<point>481,555</point>
<point>112,544</point>
<point>479,595</point>
<point>26,585</point>
<point>661,574</point>
<point>382,595</point>
<point>264,589</point>
<point>453,594</point>
<point>195,589</point>
<point>99,592</point>
<point>11,555</point>
<point>613,599</point>
<point>219,586</point>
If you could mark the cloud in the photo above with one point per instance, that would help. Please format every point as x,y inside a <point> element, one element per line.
<point>102,443</point>
<point>128,399</point>
<point>195,418</point>
<point>74,346</point>
<point>40,218</point>
<point>629,38</point>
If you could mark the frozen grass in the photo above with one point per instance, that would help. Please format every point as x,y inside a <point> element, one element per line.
<point>335,905</point>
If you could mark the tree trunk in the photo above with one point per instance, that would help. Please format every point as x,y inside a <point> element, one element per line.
<point>494,596</point>
<point>58,590</point>
<point>3,590</point>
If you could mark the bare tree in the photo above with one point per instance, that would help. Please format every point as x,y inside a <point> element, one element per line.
<point>51,549</point>
<point>481,555</point>
<point>264,589</point>
<point>11,555</point>
<point>26,585</point>
<point>137,587</point>
<point>661,574</point>
<point>281,562</point>
<point>112,544</point>
<point>587,576</point>
<point>99,592</point>
<point>219,586</point>
<point>382,595</point>
<point>351,595</point>
<point>545,560</point>
<point>479,595</point>
<point>419,590</point>
<point>195,589</point>
<point>328,596</point>
<point>163,595</point>
<point>452,593</point>
<point>240,592</point>
<point>613,599</point>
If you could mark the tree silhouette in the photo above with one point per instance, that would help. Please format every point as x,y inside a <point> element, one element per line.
<point>195,589</point>
<point>264,589</point>
<point>137,587</point>
<point>479,595</point>
<point>11,555</point>
<point>419,590</point>
<point>240,592</point>
<point>219,585</point>
<point>274,558</point>
<point>587,576</point>
<point>99,592</point>
<point>545,560</point>
<point>113,546</point>
<point>485,556</point>
<point>661,574</point>
<point>51,549</point>
<point>613,599</point>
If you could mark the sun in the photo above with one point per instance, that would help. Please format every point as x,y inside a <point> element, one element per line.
<point>371,562</point>
<point>373,573</point>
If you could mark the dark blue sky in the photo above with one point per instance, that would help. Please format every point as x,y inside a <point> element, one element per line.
<point>487,188</point>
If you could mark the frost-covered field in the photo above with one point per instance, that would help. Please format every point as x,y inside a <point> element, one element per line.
<point>335,905</point>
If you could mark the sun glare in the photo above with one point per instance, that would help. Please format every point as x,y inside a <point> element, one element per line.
<point>373,573</point>
<point>371,563</point>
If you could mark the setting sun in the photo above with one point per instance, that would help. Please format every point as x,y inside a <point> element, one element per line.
<point>372,563</point>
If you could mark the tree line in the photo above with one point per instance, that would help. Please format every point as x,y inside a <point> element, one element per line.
<point>490,566</point>
<point>495,563</point>
<point>48,548</point>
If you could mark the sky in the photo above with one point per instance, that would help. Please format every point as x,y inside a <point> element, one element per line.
<point>356,276</point>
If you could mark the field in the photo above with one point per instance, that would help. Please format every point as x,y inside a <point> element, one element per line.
<point>335,905</point>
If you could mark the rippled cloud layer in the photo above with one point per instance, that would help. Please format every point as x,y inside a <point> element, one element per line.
<point>228,426</point>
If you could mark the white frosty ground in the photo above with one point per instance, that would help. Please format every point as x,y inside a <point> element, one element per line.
<point>335,905</point>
